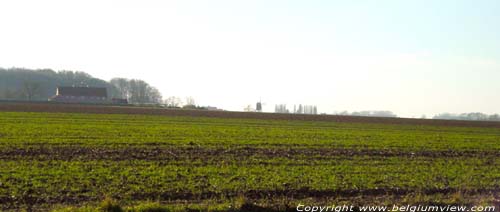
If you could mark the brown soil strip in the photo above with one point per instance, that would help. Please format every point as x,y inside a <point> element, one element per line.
<point>199,153</point>
<point>108,109</point>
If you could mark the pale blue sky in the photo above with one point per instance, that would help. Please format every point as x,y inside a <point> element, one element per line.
<point>411,57</point>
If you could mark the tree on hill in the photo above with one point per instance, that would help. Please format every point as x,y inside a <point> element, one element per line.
<point>41,84</point>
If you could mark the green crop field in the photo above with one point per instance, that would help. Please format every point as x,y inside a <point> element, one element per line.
<point>78,161</point>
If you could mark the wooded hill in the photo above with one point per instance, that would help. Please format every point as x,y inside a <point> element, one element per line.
<point>40,84</point>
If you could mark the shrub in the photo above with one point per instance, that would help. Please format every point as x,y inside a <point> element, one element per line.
<point>108,205</point>
<point>150,207</point>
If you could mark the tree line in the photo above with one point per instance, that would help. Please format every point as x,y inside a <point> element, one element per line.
<point>369,113</point>
<point>468,116</point>
<point>41,84</point>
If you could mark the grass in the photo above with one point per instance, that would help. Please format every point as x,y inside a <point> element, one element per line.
<point>160,163</point>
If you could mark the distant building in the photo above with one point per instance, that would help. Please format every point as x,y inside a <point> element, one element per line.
<point>80,95</point>
<point>213,108</point>
<point>258,107</point>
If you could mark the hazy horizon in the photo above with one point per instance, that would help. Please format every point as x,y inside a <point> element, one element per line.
<point>409,57</point>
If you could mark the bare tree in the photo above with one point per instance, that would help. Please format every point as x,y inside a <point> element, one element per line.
<point>31,89</point>
<point>249,108</point>
<point>190,101</point>
<point>123,87</point>
<point>154,95</point>
<point>173,101</point>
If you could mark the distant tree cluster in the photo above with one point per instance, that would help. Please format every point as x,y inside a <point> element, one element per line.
<point>173,102</point>
<point>305,109</point>
<point>468,116</point>
<point>136,91</point>
<point>369,113</point>
<point>300,109</point>
<point>281,108</point>
<point>176,102</point>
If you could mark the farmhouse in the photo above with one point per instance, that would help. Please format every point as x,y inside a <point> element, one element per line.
<point>80,95</point>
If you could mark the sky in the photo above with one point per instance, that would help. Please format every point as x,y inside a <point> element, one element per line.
<point>411,57</point>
